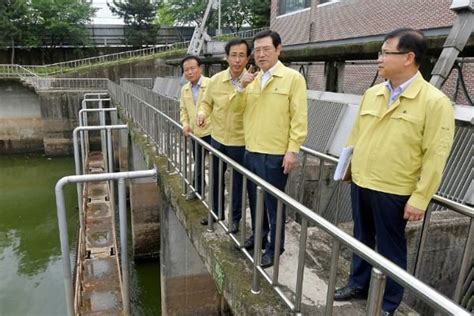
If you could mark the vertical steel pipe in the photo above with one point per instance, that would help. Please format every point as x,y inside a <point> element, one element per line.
<point>124,245</point>
<point>466,258</point>
<point>63,237</point>
<point>376,291</point>
<point>279,223</point>
<point>301,264</point>
<point>336,247</point>
<point>257,251</point>
<point>210,218</point>
<point>231,197</point>
<point>422,241</point>
<point>220,190</point>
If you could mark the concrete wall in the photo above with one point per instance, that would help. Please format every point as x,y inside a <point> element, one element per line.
<point>21,125</point>
<point>145,202</point>
<point>60,114</point>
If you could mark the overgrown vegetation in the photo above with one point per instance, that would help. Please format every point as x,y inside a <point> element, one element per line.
<point>43,23</point>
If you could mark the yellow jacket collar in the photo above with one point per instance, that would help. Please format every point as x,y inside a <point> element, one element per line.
<point>410,92</point>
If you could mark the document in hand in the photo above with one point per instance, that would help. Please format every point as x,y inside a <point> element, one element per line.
<point>343,168</point>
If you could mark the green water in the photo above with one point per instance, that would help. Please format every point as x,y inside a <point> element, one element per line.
<point>31,275</point>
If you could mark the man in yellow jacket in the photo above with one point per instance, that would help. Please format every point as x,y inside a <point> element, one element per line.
<point>222,104</point>
<point>191,95</point>
<point>401,140</point>
<point>275,126</point>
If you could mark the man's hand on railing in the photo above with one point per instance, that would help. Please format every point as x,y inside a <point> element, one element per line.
<point>187,130</point>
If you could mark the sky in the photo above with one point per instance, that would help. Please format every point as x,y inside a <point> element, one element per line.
<point>103,15</point>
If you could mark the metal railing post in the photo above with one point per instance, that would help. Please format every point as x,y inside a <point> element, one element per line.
<point>465,262</point>
<point>257,254</point>
<point>124,245</point>
<point>376,291</point>
<point>231,197</point>
<point>185,167</point>
<point>244,211</point>
<point>210,196</point>
<point>279,224</point>
<point>336,247</point>
<point>421,243</point>
<point>301,263</point>
<point>220,190</point>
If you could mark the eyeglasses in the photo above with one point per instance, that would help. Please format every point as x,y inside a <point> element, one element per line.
<point>384,53</point>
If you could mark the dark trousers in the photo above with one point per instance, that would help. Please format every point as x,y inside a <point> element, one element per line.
<point>378,222</point>
<point>235,153</point>
<point>267,167</point>
<point>197,149</point>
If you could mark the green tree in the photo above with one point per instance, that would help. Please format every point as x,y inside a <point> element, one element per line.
<point>60,22</point>
<point>55,23</point>
<point>12,24</point>
<point>139,15</point>
<point>234,14</point>
<point>260,13</point>
<point>164,16</point>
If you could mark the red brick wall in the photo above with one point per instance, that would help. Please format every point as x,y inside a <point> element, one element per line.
<point>450,85</point>
<point>355,18</point>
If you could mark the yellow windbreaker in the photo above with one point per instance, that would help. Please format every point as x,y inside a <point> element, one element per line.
<point>188,109</point>
<point>222,104</point>
<point>276,118</point>
<point>402,149</point>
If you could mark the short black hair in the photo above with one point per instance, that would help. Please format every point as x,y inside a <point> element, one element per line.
<point>410,40</point>
<point>189,57</point>
<point>276,39</point>
<point>235,42</point>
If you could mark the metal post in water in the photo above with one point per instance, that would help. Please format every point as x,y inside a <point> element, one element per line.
<point>63,237</point>
<point>376,290</point>
<point>257,254</point>
<point>102,132</point>
<point>77,166</point>
<point>123,245</point>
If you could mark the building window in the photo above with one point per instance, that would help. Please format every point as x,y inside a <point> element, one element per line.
<point>326,2</point>
<point>287,6</point>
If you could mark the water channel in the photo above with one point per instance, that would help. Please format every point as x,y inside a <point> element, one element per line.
<point>31,276</point>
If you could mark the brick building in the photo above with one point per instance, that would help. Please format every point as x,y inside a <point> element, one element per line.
<point>318,21</point>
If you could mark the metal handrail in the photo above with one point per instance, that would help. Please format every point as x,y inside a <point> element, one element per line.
<point>86,62</point>
<point>164,132</point>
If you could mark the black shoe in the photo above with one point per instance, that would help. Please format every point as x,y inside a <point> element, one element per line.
<point>205,221</point>
<point>266,261</point>
<point>346,293</point>
<point>234,229</point>
<point>385,313</point>
<point>250,243</point>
